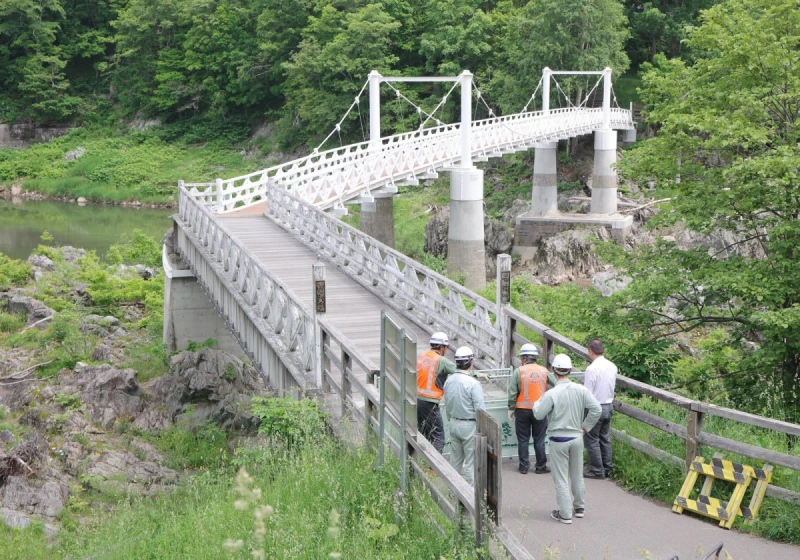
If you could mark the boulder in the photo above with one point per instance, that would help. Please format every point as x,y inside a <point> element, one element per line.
<point>610,282</point>
<point>22,498</point>
<point>436,232</point>
<point>569,255</point>
<point>109,394</point>
<point>42,262</point>
<point>101,353</point>
<point>74,155</point>
<point>71,254</point>
<point>16,190</point>
<point>217,385</point>
<point>35,310</point>
<point>6,436</point>
<point>120,465</point>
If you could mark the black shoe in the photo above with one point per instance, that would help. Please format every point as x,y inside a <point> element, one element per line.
<point>589,474</point>
<point>523,471</point>
<point>544,470</point>
<point>580,512</point>
<point>556,514</point>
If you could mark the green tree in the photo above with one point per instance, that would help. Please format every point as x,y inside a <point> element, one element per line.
<point>660,26</point>
<point>562,35</point>
<point>338,51</point>
<point>456,37</point>
<point>729,128</point>
<point>31,61</point>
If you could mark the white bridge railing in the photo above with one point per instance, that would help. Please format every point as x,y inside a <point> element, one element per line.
<point>415,291</point>
<point>327,179</point>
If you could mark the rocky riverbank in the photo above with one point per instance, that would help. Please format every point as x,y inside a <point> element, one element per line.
<point>71,437</point>
<point>17,192</point>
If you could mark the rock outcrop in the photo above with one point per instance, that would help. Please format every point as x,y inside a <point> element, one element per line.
<point>36,311</point>
<point>569,255</point>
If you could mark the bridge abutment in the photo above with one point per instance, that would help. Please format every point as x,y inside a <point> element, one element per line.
<point>544,196</point>
<point>465,241</point>
<point>188,313</point>
<point>377,219</point>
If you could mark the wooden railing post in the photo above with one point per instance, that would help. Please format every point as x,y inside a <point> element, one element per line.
<point>694,425</point>
<point>318,310</point>
<point>503,300</point>
<point>481,480</point>
<point>347,386</point>
<point>547,350</point>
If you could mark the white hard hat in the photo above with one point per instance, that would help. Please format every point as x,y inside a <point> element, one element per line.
<point>464,354</point>
<point>439,339</point>
<point>529,350</point>
<point>562,361</point>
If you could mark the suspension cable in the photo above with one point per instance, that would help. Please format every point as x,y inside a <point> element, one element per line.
<point>439,106</point>
<point>337,129</point>
<point>588,95</point>
<point>562,92</point>
<point>419,109</point>
<point>533,96</point>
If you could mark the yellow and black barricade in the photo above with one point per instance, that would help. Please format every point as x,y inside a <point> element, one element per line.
<point>720,469</point>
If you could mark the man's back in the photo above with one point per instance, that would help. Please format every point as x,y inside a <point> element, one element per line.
<point>601,379</point>
<point>564,406</point>
<point>463,396</point>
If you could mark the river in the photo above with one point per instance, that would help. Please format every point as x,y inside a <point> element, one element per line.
<point>92,227</point>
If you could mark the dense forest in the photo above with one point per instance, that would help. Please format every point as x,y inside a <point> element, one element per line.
<point>300,62</point>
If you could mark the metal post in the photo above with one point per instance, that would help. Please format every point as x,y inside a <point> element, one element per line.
<point>219,193</point>
<point>546,91</point>
<point>402,442</point>
<point>382,410</point>
<point>503,300</point>
<point>318,311</point>
<point>606,98</point>
<point>466,118</point>
<point>375,109</point>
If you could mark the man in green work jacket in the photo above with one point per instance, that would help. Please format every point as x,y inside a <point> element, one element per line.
<point>564,406</point>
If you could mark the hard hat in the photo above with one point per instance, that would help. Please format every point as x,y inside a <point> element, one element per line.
<point>529,350</point>
<point>464,355</point>
<point>562,361</point>
<point>439,339</point>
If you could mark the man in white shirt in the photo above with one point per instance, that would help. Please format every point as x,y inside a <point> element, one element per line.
<point>601,380</point>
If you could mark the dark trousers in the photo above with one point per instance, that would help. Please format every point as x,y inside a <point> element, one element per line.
<point>598,443</point>
<point>430,424</point>
<point>525,424</point>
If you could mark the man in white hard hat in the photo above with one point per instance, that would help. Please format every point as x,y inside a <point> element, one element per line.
<point>564,406</point>
<point>432,371</point>
<point>526,386</point>
<point>463,398</point>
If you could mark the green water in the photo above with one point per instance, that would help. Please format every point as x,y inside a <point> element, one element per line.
<point>90,227</point>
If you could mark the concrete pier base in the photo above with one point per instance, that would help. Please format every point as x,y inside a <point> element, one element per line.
<point>628,136</point>
<point>377,219</point>
<point>189,314</point>
<point>544,195</point>
<point>604,180</point>
<point>465,241</point>
<point>530,229</point>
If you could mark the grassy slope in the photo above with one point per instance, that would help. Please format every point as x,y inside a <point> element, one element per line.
<point>120,167</point>
<point>304,487</point>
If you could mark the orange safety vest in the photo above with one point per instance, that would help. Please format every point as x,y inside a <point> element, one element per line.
<point>533,384</point>
<point>427,364</point>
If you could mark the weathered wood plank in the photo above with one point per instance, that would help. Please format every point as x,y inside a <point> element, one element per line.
<point>759,453</point>
<point>650,419</point>
<point>646,448</point>
<point>747,418</point>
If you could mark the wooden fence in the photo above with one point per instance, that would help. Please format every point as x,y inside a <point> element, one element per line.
<point>691,432</point>
<point>344,369</point>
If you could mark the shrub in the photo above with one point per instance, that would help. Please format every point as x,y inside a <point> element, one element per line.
<point>292,422</point>
<point>13,273</point>
<point>137,248</point>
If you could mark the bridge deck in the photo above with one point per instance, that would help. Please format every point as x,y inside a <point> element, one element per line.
<point>618,525</point>
<point>354,310</point>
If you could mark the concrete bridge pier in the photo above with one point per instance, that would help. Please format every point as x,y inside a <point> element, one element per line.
<point>604,182</point>
<point>377,219</point>
<point>465,240</point>
<point>544,196</point>
<point>628,136</point>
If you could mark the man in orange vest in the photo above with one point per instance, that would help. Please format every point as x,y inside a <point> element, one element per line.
<point>526,386</point>
<point>432,371</point>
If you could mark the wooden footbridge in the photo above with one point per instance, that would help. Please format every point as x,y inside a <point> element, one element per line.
<point>259,267</point>
<point>302,292</point>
